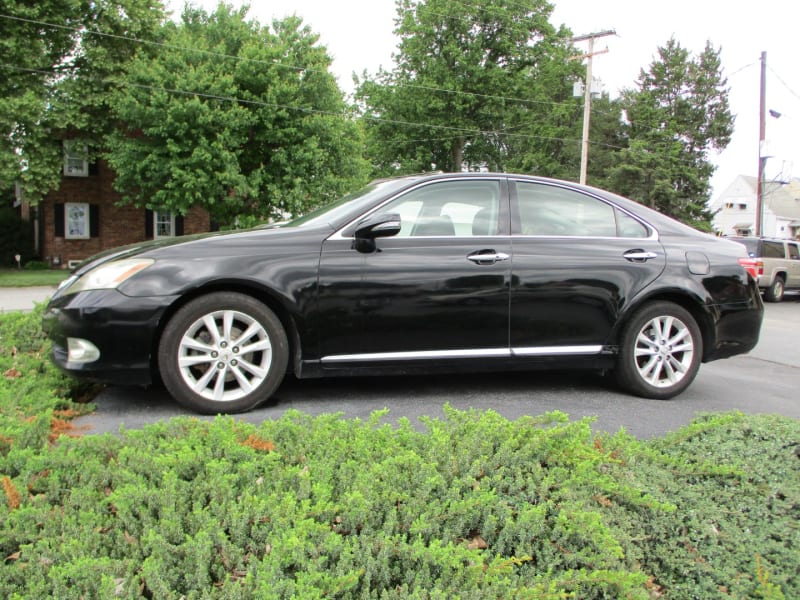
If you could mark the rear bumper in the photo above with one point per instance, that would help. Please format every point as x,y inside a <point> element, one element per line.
<point>121,328</point>
<point>738,326</point>
<point>737,333</point>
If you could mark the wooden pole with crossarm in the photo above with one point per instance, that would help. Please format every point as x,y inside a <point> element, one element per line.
<point>587,94</point>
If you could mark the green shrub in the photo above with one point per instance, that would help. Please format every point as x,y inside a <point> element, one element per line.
<point>36,265</point>
<point>35,397</point>
<point>736,483</point>
<point>474,506</point>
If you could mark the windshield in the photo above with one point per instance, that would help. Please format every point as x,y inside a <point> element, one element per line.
<point>331,214</point>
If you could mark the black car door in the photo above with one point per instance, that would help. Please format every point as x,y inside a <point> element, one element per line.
<point>437,289</point>
<point>578,260</point>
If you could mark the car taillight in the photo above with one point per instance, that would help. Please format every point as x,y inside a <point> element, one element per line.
<point>753,266</point>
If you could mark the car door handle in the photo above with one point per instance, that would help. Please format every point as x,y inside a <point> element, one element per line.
<point>487,257</point>
<point>639,255</point>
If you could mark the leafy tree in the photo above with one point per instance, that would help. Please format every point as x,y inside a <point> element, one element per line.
<point>677,114</point>
<point>234,117</point>
<point>475,84</point>
<point>59,58</point>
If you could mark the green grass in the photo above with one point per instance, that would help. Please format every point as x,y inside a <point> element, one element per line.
<point>22,278</point>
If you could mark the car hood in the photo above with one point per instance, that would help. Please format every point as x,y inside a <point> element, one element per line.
<point>176,246</point>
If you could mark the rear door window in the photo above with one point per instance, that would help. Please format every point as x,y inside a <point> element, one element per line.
<point>548,210</point>
<point>772,249</point>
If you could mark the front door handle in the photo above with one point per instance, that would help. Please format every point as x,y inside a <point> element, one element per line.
<point>487,257</point>
<point>639,255</point>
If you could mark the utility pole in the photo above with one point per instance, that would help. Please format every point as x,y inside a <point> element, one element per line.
<point>587,95</point>
<point>762,159</point>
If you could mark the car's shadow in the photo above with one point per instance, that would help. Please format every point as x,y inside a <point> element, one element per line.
<point>532,392</point>
<point>792,297</point>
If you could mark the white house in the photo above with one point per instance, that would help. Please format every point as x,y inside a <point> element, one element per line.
<point>735,209</point>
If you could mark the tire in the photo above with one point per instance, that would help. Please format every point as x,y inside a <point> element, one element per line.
<point>203,363</point>
<point>774,292</point>
<point>660,351</point>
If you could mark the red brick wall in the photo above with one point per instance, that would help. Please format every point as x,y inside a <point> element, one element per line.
<point>119,225</point>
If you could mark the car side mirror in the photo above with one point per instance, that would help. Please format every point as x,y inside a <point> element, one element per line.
<point>380,225</point>
<point>375,226</point>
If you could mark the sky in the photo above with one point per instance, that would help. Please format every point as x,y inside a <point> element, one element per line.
<point>359,36</point>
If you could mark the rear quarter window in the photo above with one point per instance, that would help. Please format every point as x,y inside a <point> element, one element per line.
<point>751,246</point>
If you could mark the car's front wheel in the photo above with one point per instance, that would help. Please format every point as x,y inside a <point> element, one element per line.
<point>223,353</point>
<point>660,351</point>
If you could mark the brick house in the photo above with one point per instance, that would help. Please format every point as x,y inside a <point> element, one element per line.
<point>81,217</point>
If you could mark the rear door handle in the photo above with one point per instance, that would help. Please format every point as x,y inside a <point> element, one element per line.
<point>487,257</point>
<point>639,255</point>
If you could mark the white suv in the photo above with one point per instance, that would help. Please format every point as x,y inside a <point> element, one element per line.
<point>777,264</point>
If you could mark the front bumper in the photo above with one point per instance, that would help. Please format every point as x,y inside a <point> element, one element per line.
<point>122,328</point>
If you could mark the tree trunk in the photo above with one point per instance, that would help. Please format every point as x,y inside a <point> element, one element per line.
<point>457,155</point>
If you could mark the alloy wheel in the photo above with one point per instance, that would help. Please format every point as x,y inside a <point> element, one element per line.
<point>664,351</point>
<point>224,355</point>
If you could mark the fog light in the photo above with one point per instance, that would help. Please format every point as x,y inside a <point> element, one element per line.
<point>81,351</point>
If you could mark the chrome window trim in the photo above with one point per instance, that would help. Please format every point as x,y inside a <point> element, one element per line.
<point>337,235</point>
<point>466,353</point>
<point>652,238</point>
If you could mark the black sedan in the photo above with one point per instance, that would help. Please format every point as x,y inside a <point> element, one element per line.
<point>442,272</point>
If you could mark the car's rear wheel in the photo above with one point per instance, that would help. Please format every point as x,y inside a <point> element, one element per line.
<point>660,351</point>
<point>774,292</point>
<point>223,353</point>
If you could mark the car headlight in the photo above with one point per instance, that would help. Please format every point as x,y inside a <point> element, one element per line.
<point>106,276</point>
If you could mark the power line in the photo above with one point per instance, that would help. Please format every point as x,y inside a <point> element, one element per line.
<point>276,62</point>
<point>506,132</point>
<point>461,130</point>
<point>294,67</point>
<point>740,69</point>
<point>151,42</point>
<point>786,85</point>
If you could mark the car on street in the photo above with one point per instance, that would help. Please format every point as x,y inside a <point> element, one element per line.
<point>418,274</point>
<point>775,264</point>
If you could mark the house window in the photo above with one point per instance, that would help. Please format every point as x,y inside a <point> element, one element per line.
<point>76,159</point>
<point>76,216</point>
<point>739,205</point>
<point>163,223</point>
